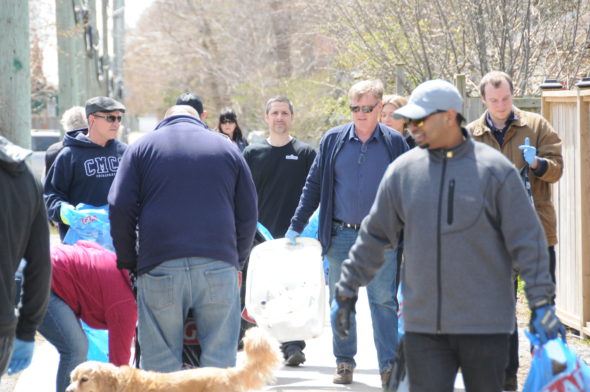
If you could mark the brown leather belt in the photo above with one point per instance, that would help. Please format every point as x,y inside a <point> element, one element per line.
<point>354,226</point>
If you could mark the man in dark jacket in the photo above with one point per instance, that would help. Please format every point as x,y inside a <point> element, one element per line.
<point>85,167</point>
<point>24,233</point>
<point>467,223</point>
<point>187,195</point>
<point>343,180</point>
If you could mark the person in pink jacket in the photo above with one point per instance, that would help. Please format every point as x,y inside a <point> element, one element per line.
<point>87,285</point>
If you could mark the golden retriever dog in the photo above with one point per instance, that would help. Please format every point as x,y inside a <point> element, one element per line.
<point>261,359</point>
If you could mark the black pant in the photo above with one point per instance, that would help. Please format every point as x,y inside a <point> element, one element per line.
<point>513,360</point>
<point>433,360</point>
<point>6,343</point>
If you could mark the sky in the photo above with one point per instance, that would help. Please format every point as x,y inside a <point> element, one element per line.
<point>133,11</point>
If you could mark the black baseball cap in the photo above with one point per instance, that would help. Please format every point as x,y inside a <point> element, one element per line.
<point>103,104</point>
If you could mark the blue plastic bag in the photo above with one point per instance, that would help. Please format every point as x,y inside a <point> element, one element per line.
<point>546,374</point>
<point>89,223</point>
<point>98,343</point>
<point>311,229</point>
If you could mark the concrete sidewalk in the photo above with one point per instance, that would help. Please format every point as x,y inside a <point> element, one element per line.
<point>316,373</point>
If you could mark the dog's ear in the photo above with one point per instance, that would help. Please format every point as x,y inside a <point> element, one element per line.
<point>96,377</point>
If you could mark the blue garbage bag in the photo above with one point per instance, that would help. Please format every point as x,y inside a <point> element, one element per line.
<point>89,223</point>
<point>555,368</point>
<point>311,229</point>
<point>98,343</point>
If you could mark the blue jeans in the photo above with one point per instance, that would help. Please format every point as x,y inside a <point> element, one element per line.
<point>433,360</point>
<point>382,302</point>
<point>164,296</point>
<point>62,328</point>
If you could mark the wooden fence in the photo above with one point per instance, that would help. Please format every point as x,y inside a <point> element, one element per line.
<point>569,113</point>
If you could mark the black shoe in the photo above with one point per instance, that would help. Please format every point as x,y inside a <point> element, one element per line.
<point>295,358</point>
<point>511,383</point>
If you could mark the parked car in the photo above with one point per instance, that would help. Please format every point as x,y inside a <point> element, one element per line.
<point>41,139</point>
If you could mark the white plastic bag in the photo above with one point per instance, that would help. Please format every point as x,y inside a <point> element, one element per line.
<point>285,288</point>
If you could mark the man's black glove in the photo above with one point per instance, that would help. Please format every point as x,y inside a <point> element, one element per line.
<point>342,307</point>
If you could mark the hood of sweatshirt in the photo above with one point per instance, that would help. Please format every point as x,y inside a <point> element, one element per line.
<point>12,157</point>
<point>79,138</point>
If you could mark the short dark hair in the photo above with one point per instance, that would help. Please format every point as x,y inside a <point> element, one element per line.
<point>191,99</point>
<point>495,78</point>
<point>279,98</point>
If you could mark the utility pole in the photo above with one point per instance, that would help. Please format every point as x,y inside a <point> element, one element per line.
<point>15,82</point>
<point>105,49</point>
<point>71,54</point>
<point>77,42</point>
<point>118,48</point>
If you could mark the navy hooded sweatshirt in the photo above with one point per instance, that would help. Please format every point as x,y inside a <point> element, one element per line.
<point>189,192</point>
<point>82,173</point>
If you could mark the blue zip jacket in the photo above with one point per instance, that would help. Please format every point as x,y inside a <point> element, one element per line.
<point>190,193</point>
<point>82,173</point>
<point>319,186</point>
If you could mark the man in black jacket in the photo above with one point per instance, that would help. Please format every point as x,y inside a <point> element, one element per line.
<point>24,233</point>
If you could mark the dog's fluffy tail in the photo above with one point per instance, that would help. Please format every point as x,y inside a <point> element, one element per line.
<point>262,358</point>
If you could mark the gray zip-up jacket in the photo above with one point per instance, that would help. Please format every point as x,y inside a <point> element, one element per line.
<point>467,224</point>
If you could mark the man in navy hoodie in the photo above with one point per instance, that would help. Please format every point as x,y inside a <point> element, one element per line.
<point>86,166</point>
<point>183,214</point>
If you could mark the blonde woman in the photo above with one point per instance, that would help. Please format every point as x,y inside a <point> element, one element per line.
<point>390,104</point>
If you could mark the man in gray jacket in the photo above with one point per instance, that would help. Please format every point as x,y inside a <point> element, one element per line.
<point>467,224</point>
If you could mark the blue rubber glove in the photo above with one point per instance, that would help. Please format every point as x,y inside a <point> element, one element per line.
<point>545,324</point>
<point>22,354</point>
<point>529,152</point>
<point>292,235</point>
<point>65,207</point>
<point>342,307</point>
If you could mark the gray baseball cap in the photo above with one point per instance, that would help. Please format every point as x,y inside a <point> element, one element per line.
<point>430,97</point>
<point>103,104</point>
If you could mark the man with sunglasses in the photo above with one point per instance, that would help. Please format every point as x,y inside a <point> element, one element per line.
<point>343,180</point>
<point>467,222</point>
<point>86,166</point>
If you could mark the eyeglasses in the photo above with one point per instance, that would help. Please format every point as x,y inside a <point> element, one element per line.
<point>227,121</point>
<point>364,109</point>
<point>385,115</point>
<point>420,121</point>
<point>110,119</point>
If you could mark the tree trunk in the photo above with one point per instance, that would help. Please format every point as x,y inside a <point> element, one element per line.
<point>15,83</point>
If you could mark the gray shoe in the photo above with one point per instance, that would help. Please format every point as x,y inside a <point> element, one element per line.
<point>295,358</point>
<point>343,374</point>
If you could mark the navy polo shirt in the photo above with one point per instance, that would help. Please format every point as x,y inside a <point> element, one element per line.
<point>358,170</point>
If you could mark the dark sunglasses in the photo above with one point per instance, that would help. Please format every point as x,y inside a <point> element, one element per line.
<point>227,121</point>
<point>418,122</point>
<point>364,109</point>
<point>110,119</point>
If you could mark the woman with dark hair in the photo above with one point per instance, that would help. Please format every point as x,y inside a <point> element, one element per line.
<point>228,125</point>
